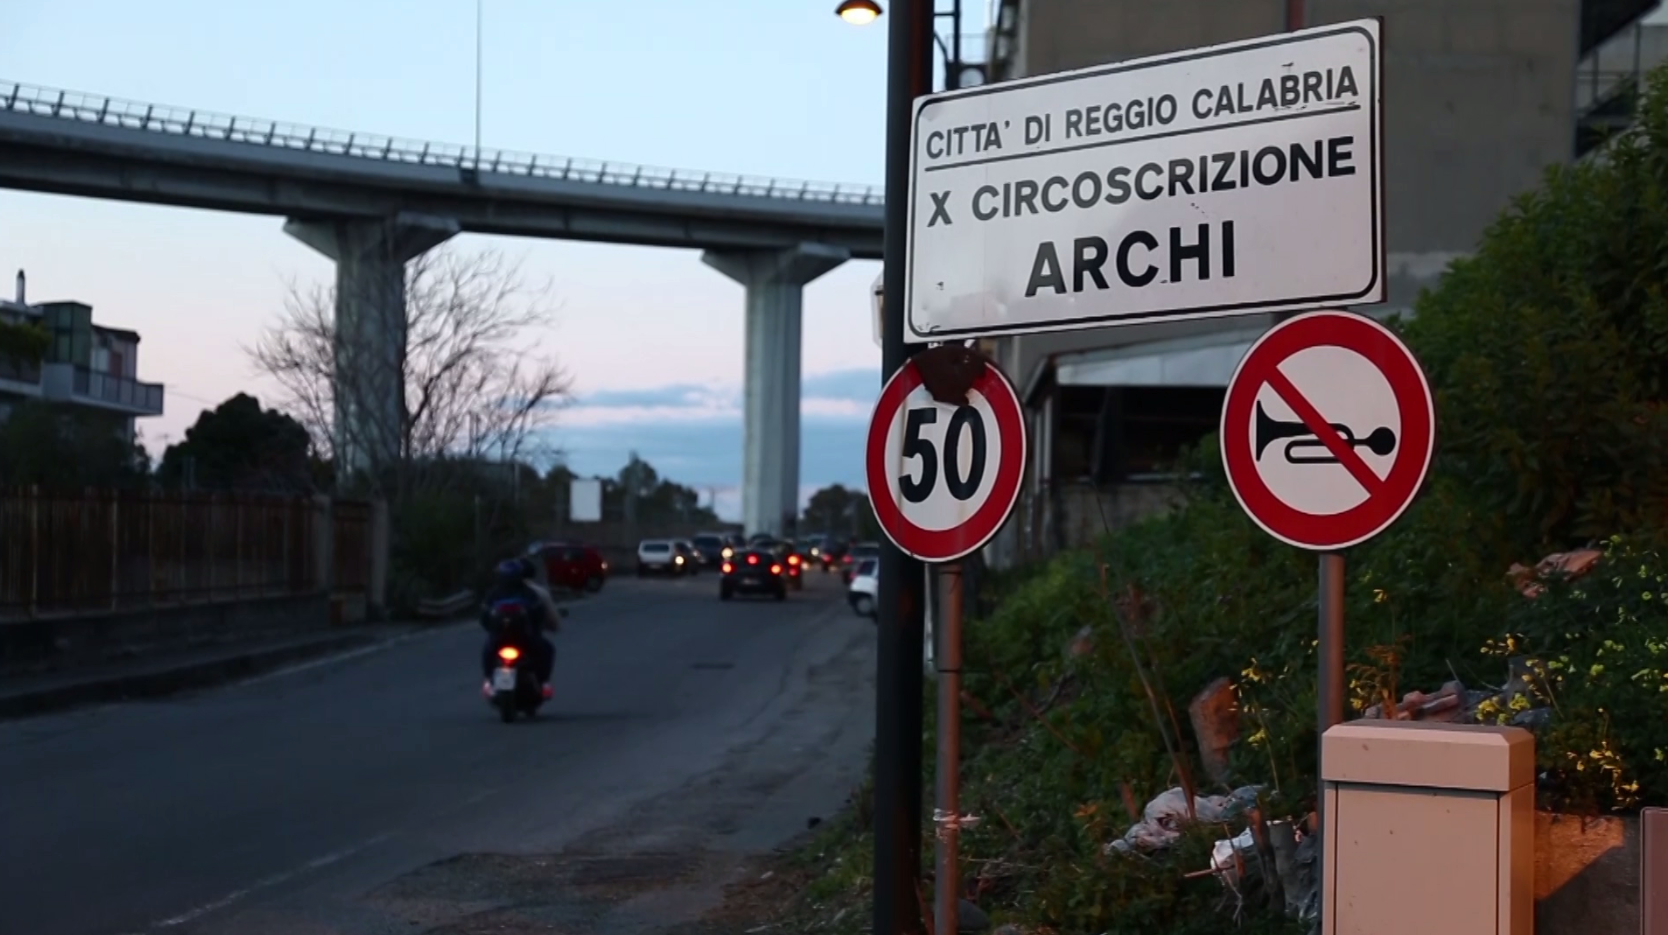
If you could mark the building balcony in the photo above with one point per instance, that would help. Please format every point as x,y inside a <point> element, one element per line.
<point>20,378</point>
<point>72,384</point>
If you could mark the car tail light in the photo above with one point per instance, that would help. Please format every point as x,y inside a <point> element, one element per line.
<point>776,569</point>
<point>793,560</point>
<point>752,559</point>
<point>509,654</point>
<point>728,568</point>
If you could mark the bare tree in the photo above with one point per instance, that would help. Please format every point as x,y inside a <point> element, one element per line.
<point>474,379</point>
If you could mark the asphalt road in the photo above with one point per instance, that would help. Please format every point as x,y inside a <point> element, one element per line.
<point>338,797</point>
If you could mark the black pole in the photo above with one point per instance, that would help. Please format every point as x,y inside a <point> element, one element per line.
<point>899,676</point>
<point>952,68</point>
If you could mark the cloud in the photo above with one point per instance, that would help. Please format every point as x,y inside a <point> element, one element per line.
<point>654,397</point>
<point>861,385</point>
<point>693,434</point>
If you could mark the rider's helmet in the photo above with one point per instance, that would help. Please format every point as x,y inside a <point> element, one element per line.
<point>510,571</point>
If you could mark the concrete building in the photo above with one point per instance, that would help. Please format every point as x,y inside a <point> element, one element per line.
<point>1481,97</point>
<point>85,365</point>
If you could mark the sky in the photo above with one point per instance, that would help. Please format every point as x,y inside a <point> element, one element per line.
<point>652,337</point>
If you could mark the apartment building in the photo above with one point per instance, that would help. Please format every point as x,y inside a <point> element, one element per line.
<point>85,364</point>
<point>1481,96</point>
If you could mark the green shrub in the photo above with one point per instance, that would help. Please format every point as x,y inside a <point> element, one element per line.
<point>1546,348</point>
<point>1597,650</point>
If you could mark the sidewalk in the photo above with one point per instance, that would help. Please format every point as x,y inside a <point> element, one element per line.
<point>172,672</point>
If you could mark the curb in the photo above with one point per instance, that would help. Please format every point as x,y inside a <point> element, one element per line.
<point>161,682</point>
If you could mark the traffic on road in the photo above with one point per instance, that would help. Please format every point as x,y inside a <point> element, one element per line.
<point>297,802</point>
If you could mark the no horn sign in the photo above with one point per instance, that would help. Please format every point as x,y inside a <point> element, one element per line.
<point>1327,430</point>
<point>943,478</point>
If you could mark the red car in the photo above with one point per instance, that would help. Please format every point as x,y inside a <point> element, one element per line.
<point>573,566</point>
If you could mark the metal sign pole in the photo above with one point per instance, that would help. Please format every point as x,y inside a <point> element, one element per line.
<point>1330,653</point>
<point>898,676</point>
<point>947,817</point>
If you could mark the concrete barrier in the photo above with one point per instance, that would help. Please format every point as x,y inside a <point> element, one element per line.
<point>48,643</point>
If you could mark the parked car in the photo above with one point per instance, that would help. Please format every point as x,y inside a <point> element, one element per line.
<point>660,556</point>
<point>571,565</point>
<point>854,556</point>
<point>753,571</point>
<point>864,590</point>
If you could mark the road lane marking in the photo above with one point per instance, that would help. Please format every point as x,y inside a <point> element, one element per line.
<point>277,879</point>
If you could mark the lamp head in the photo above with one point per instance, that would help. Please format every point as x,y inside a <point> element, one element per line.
<point>858,12</point>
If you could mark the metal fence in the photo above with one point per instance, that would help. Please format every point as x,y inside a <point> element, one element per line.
<point>105,550</point>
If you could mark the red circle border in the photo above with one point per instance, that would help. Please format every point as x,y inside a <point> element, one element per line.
<point>947,545</point>
<point>1407,474</point>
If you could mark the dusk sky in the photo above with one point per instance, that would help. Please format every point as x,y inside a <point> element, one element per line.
<point>652,337</point>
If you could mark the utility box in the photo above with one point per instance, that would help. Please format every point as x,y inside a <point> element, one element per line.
<point>1428,828</point>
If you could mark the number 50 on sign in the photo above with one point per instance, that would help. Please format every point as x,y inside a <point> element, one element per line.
<point>944,477</point>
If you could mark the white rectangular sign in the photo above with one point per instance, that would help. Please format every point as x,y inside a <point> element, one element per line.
<point>584,500</point>
<point>1230,180</point>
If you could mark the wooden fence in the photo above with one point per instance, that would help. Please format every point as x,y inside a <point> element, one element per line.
<point>107,550</point>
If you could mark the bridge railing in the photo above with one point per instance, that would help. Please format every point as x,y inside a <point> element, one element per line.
<point>178,121</point>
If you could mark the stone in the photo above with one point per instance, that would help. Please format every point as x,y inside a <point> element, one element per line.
<point>970,918</point>
<point>1215,716</point>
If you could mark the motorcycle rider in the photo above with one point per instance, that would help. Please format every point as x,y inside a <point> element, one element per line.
<point>513,581</point>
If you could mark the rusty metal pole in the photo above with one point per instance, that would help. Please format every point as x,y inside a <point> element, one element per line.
<point>947,659</point>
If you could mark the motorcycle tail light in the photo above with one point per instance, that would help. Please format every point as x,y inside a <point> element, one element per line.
<point>509,654</point>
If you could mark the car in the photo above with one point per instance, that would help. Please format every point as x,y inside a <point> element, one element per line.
<point>854,556</point>
<point>833,553</point>
<point>863,593</point>
<point>710,546</point>
<point>694,561</point>
<point>753,571</point>
<point>571,565</point>
<point>660,555</point>
<point>790,557</point>
<point>812,548</point>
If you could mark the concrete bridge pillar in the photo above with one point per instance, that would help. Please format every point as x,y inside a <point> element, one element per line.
<point>370,337</point>
<point>775,281</point>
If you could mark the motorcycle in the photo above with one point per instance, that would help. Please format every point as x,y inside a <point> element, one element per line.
<point>515,686</point>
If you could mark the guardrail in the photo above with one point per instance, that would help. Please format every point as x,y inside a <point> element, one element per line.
<point>178,121</point>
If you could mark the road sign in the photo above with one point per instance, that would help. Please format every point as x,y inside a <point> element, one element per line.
<point>1228,180</point>
<point>943,478</point>
<point>1327,430</point>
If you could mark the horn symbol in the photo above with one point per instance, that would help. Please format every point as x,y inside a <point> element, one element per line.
<point>1381,441</point>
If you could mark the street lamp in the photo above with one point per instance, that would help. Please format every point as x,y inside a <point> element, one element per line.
<point>858,12</point>
<point>957,73</point>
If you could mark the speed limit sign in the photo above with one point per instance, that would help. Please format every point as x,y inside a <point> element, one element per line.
<point>944,477</point>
